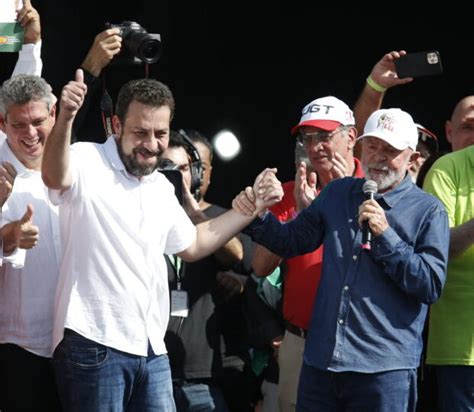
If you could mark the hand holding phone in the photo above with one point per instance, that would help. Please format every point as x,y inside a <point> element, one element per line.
<point>426,63</point>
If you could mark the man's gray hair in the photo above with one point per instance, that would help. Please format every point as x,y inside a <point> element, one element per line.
<point>23,89</point>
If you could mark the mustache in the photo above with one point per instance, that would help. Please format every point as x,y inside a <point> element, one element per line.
<point>147,152</point>
<point>379,166</point>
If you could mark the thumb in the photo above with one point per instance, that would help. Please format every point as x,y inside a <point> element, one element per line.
<point>28,216</point>
<point>79,76</point>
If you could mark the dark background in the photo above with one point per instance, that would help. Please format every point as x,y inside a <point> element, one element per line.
<point>251,67</point>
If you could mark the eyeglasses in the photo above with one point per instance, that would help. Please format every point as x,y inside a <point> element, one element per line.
<point>308,138</point>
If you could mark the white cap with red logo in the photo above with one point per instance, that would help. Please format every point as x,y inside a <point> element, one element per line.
<point>326,113</point>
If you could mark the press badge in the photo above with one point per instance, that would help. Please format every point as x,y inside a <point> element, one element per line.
<point>179,303</point>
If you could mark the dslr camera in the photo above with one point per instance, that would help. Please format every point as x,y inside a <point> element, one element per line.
<point>137,44</point>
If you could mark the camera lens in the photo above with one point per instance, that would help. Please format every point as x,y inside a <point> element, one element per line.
<point>149,51</point>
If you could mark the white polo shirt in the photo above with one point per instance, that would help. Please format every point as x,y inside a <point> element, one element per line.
<point>113,286</point>
<point>28,278</point>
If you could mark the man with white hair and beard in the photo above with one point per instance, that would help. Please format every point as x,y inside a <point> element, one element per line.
<point>365,337</point>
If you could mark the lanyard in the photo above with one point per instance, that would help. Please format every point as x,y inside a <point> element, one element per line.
<point>179,267</point>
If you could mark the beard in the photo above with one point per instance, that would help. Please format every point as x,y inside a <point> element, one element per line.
<point>131,163</point>
<point>386,179</point>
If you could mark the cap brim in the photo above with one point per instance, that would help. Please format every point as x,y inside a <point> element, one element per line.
<point>328,125</point>
<point>385,139</point>
<point>431,142</point>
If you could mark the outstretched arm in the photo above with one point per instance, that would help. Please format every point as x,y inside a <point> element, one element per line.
<point>55,166</point>
<point>214,233</point>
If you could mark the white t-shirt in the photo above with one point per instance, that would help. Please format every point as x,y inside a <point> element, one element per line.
<point>28,278</point>
<point>113,286</point>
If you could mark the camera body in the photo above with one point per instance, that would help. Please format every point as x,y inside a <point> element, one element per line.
<point>137,44</point>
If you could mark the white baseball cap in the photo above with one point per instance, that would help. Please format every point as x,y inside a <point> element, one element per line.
<point>393,126</point>
<point>326,113</point>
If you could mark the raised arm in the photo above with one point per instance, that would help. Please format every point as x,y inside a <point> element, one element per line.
<point>382,77</point>
<point>55,166</point>
<point>29,58</point>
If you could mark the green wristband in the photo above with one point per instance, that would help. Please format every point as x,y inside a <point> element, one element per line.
<point>375,86</point>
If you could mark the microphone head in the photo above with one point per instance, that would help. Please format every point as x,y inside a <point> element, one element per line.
<point>370,187</point>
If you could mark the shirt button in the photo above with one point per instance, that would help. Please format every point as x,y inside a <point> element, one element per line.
<point>346,288</point>
<point>354,257</point>
<point>341,321</point>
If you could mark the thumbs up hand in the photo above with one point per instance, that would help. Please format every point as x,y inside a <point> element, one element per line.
<point>72,96</point>
<point>25,232</point>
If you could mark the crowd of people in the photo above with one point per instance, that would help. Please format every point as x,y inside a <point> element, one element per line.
<point>335,291</point>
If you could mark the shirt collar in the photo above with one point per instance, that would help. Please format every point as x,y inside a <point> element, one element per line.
<point>10,157</point>
<point>394,196</point>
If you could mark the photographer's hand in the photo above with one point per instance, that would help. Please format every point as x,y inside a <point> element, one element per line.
<point>106,45</point>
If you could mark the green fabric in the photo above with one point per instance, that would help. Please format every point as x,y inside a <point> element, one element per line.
<point>260,359</point>
<point>269,288</point>
<point>451,329</point>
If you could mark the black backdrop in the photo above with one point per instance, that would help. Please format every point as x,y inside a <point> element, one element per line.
<point>252,70</point>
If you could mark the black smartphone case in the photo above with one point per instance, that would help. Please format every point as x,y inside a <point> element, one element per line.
<point>427,63</point>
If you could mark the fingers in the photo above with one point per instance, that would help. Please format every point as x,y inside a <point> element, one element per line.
<point>28,216</point>
<point>340,166</point>
<point>268,185</point>
<point>371,212</point>
<point>244,202</point>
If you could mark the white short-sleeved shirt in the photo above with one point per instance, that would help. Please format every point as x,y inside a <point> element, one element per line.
<point>28,278</point>
<point>113,286</point>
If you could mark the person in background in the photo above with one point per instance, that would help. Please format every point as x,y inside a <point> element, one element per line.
<point>198,347</point>
<point>28,277</point>
<point>326,136</point>
<point>106,45</point>
<point>29,58</point>
<point>382,77</point>
<point>365,338</point>
<point>460,128</point>
<point>450,346</point>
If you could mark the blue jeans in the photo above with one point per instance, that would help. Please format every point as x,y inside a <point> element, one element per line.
<point>455,388</point>
<point>198,397</point>
<point>393,391</point>
<point>93,377</point>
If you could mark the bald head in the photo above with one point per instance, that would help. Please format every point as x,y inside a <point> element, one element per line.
<point>460,129</point>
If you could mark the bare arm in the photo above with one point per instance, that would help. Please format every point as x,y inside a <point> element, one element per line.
<point>229,253</point>
<point>370,100</point>
<point>232,252</point>
<point>55,166</point>
<point>214,233</point>
<point>264,262</point>
<point>461,237</point>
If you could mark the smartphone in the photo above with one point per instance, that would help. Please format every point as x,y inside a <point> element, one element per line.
<point>427,63</point>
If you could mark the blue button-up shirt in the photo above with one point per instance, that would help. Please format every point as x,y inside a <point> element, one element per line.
<point>370,308</point>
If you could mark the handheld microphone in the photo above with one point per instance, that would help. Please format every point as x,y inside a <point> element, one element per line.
<point>369,188</point>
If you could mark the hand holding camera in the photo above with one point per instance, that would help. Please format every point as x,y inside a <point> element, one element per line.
<point>137,44</point>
